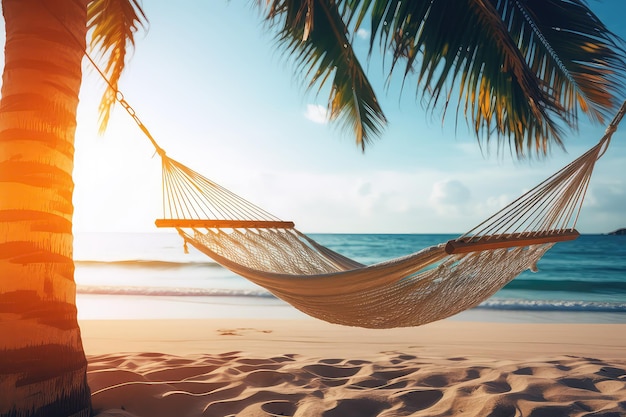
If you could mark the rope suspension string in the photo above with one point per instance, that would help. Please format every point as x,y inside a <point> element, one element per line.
<point>547,213</point>
<point>192,200</point>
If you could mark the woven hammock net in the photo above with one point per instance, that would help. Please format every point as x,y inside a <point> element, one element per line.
<point>429,285</point>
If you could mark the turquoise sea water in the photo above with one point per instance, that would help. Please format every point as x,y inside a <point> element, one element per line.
<point>133,275</point>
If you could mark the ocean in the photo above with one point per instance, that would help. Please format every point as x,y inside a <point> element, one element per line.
<point>149,276</point>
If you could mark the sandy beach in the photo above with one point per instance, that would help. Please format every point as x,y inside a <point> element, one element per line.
<point>237,367</point>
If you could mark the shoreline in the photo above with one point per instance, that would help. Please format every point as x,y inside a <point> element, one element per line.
<point>148,307</point>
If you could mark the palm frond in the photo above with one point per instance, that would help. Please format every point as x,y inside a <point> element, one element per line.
<point>314,33</point>
<point>583,58</point>
<point>521,68</point>
<point>113,24</point>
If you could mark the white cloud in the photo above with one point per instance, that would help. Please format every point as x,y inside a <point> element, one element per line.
<point>316,113</point>
<point>449,193</point>
<point>364,189</point>
<point>363,33</point>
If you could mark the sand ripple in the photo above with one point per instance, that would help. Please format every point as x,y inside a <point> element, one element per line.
<point>393,385</point>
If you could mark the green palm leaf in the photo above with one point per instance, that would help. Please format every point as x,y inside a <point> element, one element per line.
<point>314,34</point>
<point>521,68</point>
<point>113,24</point>
<point>589,60</point>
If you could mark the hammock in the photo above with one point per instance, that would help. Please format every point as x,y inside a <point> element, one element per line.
<point>432,284</point>
<point>429,285</point>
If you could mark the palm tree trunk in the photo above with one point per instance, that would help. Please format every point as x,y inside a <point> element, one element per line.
<point>42,362</point>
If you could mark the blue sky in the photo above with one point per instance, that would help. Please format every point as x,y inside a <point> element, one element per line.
<point>218,96</point>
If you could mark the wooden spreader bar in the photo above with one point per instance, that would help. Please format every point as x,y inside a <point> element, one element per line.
<point>225,224</point>
<point>507,241</point>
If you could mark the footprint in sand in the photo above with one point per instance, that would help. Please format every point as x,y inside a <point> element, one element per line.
<point>240,331</point>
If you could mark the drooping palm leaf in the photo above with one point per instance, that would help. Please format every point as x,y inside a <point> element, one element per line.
<point>314,33</point>
<point>113,24</point>
<point>521,68</point>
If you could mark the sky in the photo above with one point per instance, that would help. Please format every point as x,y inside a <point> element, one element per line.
<point>208,81</point>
